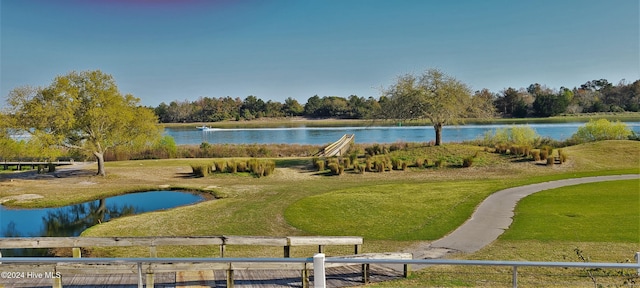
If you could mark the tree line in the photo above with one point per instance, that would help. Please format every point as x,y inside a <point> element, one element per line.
<point>534,101</point>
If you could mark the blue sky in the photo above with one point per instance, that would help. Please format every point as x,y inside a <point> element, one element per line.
<point>165,50</point>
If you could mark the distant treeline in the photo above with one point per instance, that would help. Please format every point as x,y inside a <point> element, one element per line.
<point>534,101</point>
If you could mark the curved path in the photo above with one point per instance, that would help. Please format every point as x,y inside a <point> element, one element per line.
<point>494,215</point>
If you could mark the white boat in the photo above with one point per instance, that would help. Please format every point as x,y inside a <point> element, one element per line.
<point>205,128</point>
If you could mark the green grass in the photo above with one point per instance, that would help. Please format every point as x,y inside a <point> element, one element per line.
<point>432,201</point>
<point>415,211</point>
<point>601,219</point>
<point>596,212</point>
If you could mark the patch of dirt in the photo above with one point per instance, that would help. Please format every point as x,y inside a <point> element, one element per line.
<point>20,198</point>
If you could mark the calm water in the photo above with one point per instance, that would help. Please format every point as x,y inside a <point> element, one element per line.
<point>324,135</point>
<point>72,220</point>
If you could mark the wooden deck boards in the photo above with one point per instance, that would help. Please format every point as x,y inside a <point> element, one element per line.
<point>336,277</point>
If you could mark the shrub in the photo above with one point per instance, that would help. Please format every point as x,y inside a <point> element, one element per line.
<point>320,165</point>
<point>220,166</point>
<point>550,161</point>
<point>200,170</point>
<point>269,167</point>
<point>440,163</point>
<point>353,157</point>
<point>231,167</point>
<point>536,155</point>
<point>468,161</point>
<point>368,165</point>
<point>404,166</point>
<point>518,135</point>
<point>260,168</point>
<point>501,148</point>
<point>544,155</point>
<point>334,168</point>
<point>241,166</point>
<point>602,129</point>
<point>347,162</point>
<point>419,163</point>
<point>562,155</point>
<point>396,163</point>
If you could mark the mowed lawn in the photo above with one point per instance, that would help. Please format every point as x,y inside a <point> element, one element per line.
<point>596,212</point>
<point>601,220</point>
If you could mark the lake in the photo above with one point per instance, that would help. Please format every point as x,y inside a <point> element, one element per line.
<point>371,134</point>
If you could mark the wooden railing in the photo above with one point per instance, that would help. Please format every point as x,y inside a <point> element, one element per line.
<point>114,267</point>
<point>337,148</point>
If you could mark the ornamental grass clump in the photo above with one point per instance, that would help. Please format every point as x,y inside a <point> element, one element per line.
<point>200,170</point>
<point>220,166</point>
<point>368,165</point>
<point>467,161</point>
<point>536,155</point>
<point>260,168</point>
<point>544,154</point>
<point>241,166</point>
<point>550,161</point>
<point>562,156</point>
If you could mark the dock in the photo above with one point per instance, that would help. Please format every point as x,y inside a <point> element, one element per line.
<point>338,148</point>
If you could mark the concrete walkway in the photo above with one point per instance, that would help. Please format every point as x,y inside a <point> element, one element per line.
<point>494,216</point>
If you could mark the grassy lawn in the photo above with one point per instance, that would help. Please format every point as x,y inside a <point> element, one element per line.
<point>597,212</point>
<point>392,210</point>
<point>599,219</point>
<point>403,212</point>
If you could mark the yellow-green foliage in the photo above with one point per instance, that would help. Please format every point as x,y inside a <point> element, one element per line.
<point>200,170</point>
<point>602,129</point>
<point>256,167</point>
<point>517,135</point>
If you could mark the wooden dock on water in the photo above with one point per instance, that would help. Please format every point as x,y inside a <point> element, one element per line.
<point>346,276</point>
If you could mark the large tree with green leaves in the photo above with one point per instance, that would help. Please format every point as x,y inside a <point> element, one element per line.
<point>435,96</point>
<point>84,111</point>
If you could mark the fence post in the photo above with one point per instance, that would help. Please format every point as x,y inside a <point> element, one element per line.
<point>140,283</point>
<point>319,277</point>
<point>514,277</point>
<point>638,260</point>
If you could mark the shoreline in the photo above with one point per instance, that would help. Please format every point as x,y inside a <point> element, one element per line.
<point>289,122</point>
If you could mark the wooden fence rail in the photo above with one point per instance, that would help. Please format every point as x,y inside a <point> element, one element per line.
<point>76,243</point>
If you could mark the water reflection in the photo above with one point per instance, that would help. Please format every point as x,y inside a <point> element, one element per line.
<point>73,219</point>
<point>76,218</point>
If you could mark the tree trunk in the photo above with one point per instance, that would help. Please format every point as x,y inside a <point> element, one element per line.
<point>100,159</point>
<point>438,128</point>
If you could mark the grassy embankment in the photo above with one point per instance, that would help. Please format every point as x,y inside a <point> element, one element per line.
<point>392,210</point>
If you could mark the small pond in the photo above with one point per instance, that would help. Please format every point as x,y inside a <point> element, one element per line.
<point>73,219</point>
